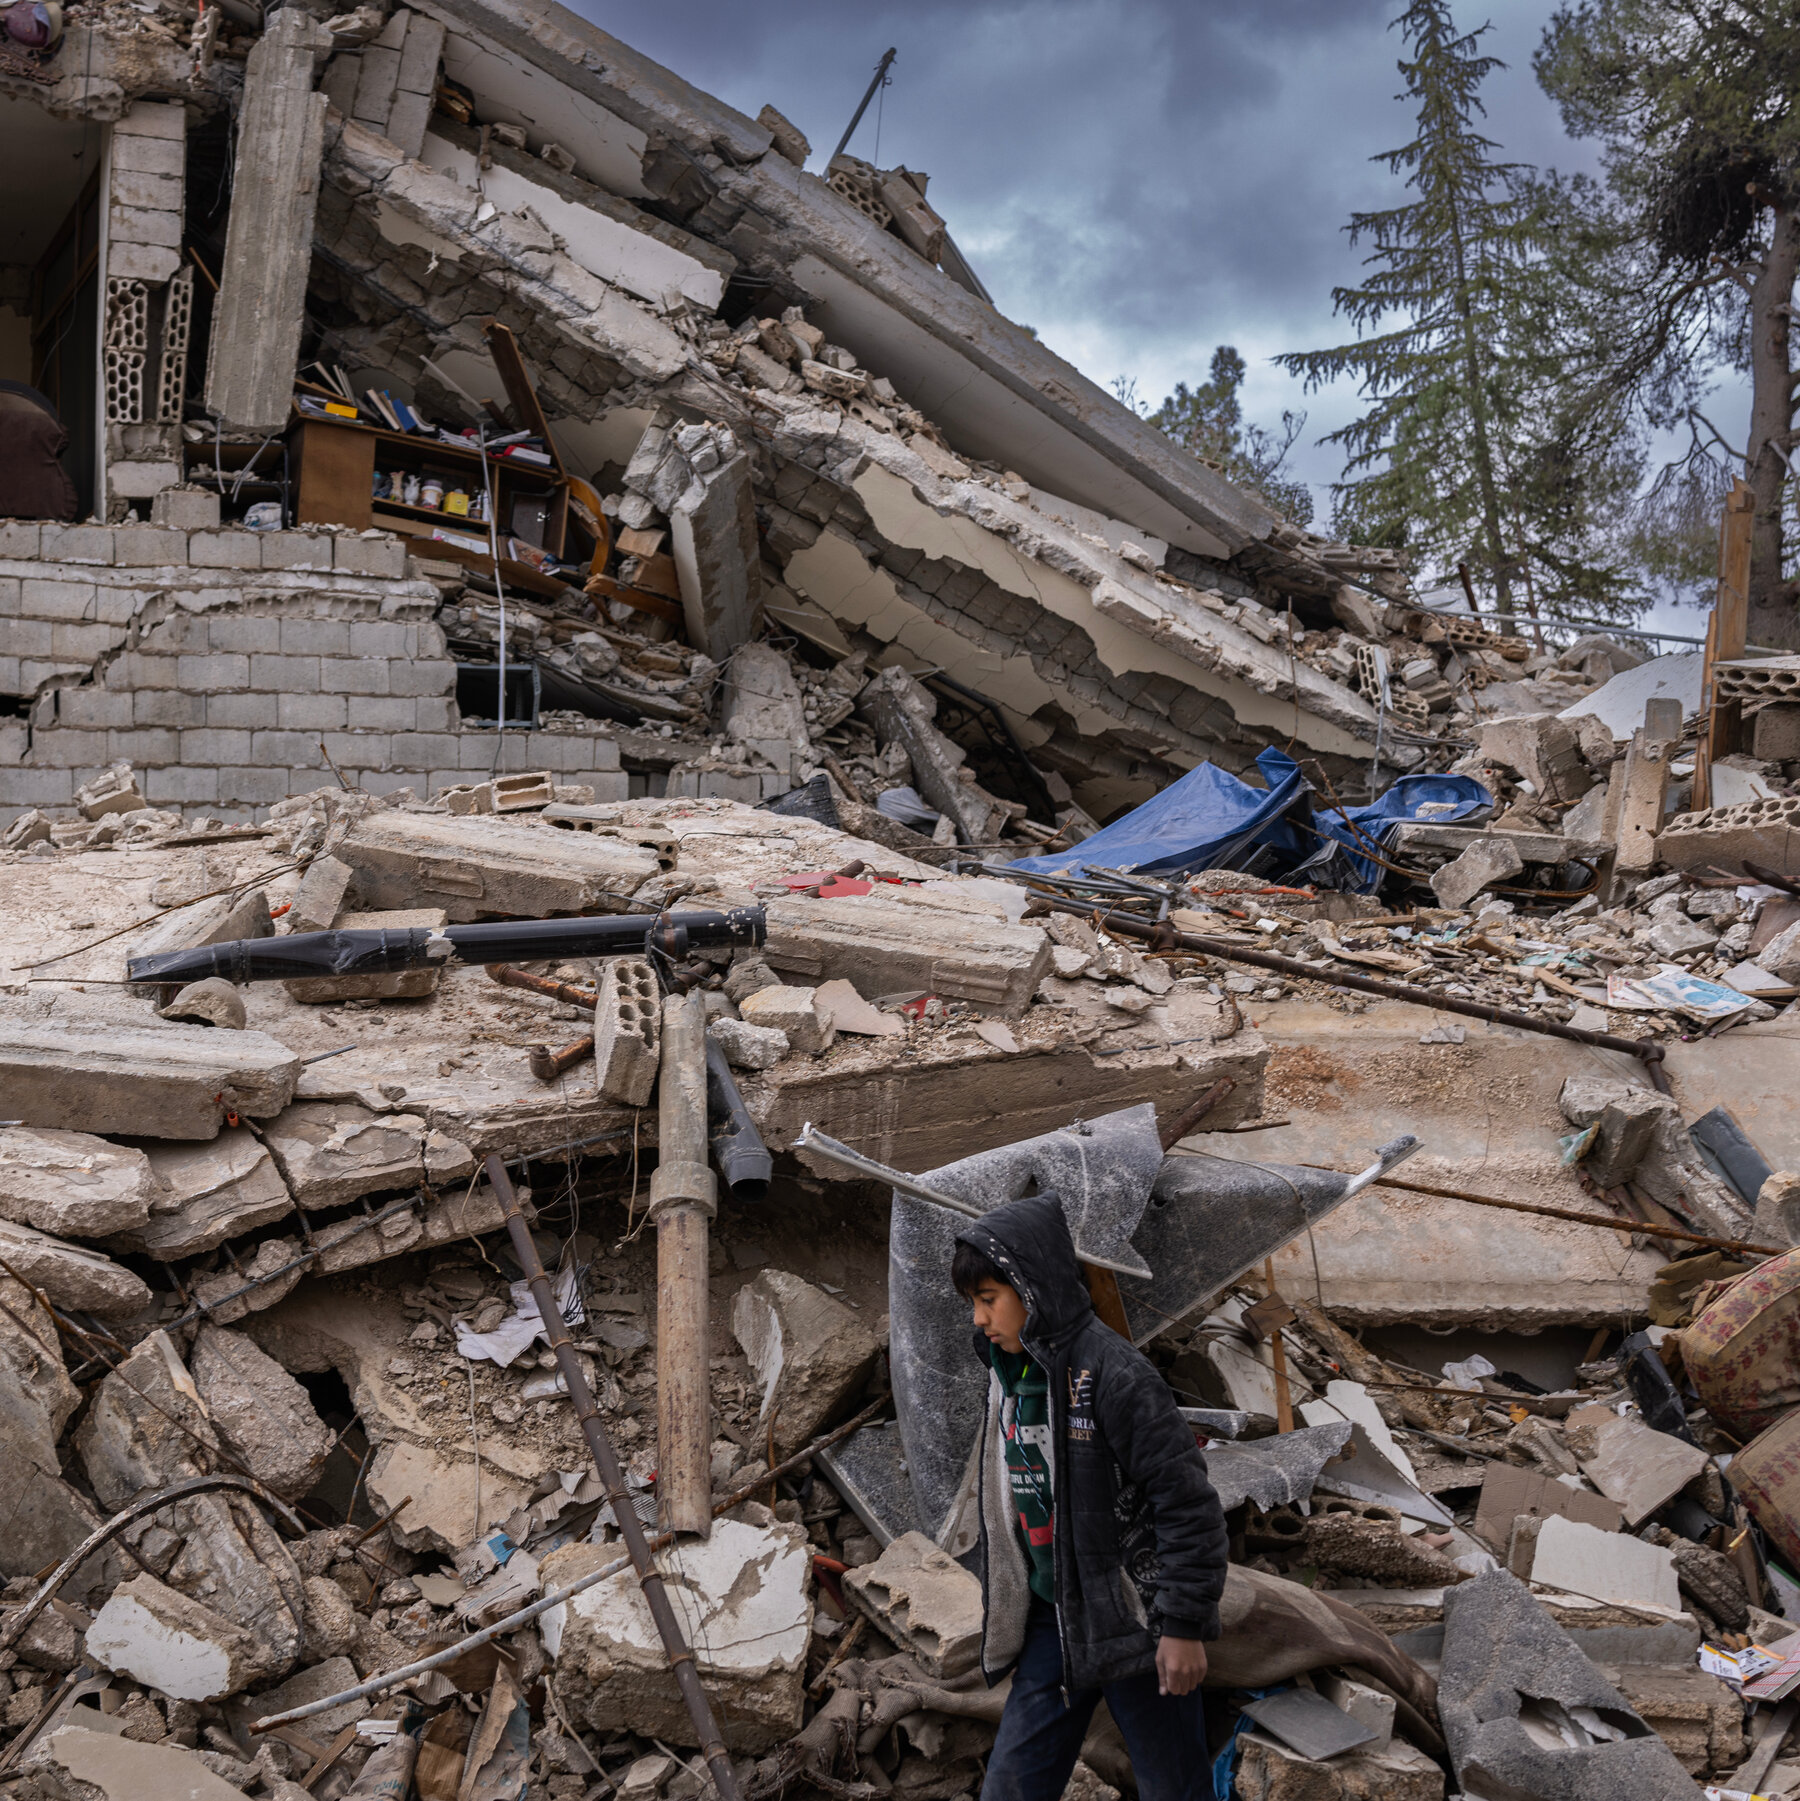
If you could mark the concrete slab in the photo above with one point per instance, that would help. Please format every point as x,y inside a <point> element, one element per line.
<point>75,1276</point>
<point>331,1152</point>
<point>174,1644</point>
<point>112,1768</point>
<point>1604,1566</point>
<point>925,1601</point>
<point>206,1193</point>
<point>811,1353</point>
<point>116,1071</point>
<point>72,1182</point>
<point>748,1612</point>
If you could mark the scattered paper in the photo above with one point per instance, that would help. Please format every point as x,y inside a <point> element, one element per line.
<point>1673,990</point>
<point>523,1328</point>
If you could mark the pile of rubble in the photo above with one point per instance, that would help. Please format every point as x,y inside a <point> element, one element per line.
<point>287,1426</point>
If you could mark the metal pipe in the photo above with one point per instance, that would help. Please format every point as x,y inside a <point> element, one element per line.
<point>377,952</point>
<point>612,1481</point>
<point>565,992</point>
<point>881,69</point>
<point>738,1150</point>
<point>1647,1050</point>
<point>828,1150</point>
<point>683,1199</point>
<point>550,1066</point>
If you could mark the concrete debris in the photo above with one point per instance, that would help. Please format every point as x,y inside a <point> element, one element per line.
<point>627,1031</point>
<point>925,1601</point>
<point>837,610</point>
<point>264,1418</point>
<point>749,1613</point>
<point>1525,1713</point>
<point>73,1183</point>
<point>74,1276</point>
<point>173,1644</point>
<point>810,1353</point>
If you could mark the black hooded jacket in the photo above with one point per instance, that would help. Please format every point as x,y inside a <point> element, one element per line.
<point>1140,1543</point>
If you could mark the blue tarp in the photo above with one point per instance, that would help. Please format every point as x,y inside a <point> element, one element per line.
<point>1209,819</point>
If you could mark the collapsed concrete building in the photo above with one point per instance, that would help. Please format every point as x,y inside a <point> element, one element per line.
<point>504,486</point>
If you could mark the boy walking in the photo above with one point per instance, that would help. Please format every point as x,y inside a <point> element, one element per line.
<point>1102,1542</point>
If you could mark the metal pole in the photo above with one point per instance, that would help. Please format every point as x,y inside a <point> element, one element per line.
<point>881,69</point>
<point>683,1200</point>
<point>612,1478</point>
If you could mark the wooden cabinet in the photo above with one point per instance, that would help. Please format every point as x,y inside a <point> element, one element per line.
<point>337,463</point>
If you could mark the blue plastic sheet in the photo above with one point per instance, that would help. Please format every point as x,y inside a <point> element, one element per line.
<point>1212,820</point>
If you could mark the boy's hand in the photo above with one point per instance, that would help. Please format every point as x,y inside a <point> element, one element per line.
<point>1180,1665</point>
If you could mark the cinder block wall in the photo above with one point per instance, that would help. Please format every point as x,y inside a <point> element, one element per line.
<point>227,665</point>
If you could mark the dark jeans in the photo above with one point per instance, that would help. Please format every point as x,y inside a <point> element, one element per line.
<point>1040,1738</point>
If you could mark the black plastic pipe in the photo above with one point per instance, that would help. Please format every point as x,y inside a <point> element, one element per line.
<point>737,1147</point>
<point>380,952</point>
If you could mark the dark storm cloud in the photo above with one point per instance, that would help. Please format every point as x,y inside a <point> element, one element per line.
<point>1138,179</point>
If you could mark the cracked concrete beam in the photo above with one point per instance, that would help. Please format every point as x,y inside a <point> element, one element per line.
<point>269,242</point>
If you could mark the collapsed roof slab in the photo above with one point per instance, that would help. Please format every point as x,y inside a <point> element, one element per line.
<point>1486,1113</point>
<point>988,382</point>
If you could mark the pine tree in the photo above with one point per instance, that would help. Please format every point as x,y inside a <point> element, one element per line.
<point>1423,464</point>
<point>1209,422</point>
<point>1693,103</point>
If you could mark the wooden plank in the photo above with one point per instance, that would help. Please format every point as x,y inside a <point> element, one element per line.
<point>337,476</point>
<point>503,347</point>
<point>605,587</point>
<point>1728,629</point>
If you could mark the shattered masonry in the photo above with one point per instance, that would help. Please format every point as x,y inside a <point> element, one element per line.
<point>824,595</point>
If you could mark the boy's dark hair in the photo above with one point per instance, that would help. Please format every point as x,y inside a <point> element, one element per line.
<point>969,1268</point>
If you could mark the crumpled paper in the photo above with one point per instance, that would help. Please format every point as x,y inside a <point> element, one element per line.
<point>522,1328</point>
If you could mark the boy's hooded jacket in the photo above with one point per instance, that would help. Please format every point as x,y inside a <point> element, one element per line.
<point>1140,1542</point>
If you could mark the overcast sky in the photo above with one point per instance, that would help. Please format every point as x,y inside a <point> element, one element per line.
<point>1138,179</point>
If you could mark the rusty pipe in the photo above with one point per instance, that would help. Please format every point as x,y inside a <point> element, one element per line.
<point>551,989</point>
<point>548,1065</point>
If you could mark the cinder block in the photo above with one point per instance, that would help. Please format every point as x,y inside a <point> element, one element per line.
<point>476,750</point>
<point>430,641</point>
<point>1777,733</point>
<point>375,84</point>
<point>59,748</point>
<point>213,674</point>
<point>423,677</point>
<point>135,669</point>
<point>420,55</point>
<point>119,605</point>
<point>378,713</point>
<point>141,191</point>
<point>408,119</point>
<point>627,1031</point>
<point>149,748</point>
<point>285,675</point>
<point>153,706</point>
<point>182,785</point>
<point>315,637</point>
<point>260,787</point>
<point>310,712</point>
<point>359,750</point>
<point>422,750</point>
<point>1766,831</point>
<point>185,510</point>
<point>42,598</point>
<point>252,712</point>
<point>431,713</point>
<point>148,544</point>
<point>37,787</point>
<point>153,119</point>
<point>94,708</point>
<point>354,675</point>
<point>225,550</point>
<point>377,638</point>
<point>9,676</point>
<point>149,156</point>
<point>244,634</point>
<point>75,543</point>
<point>609,784</point>
<point>82,643</point>
<point>139,225</point>
<point>34,675</point>
<point>385,556</point>
<point>141,262</point>
<point>215,744</point>
<point>19,538</point>
<point>285,750</point>
<point>296,550</point>
<point>180,632</point>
